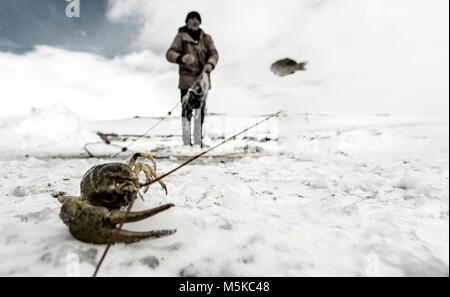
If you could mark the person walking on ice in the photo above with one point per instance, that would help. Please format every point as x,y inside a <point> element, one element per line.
<point>194,51</point>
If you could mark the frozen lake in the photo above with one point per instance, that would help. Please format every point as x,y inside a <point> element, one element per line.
<point>328,195</point>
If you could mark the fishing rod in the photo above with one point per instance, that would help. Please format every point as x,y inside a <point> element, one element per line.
<point>193,89</point>
<point>114,236</point>
<point>208,150</point>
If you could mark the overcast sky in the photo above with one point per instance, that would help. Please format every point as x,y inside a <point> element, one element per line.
<point>26,23</point>
<point>372,56</point>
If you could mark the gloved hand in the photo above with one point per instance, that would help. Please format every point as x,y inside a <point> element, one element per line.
<point>188,59</point>
<point>207,68</point>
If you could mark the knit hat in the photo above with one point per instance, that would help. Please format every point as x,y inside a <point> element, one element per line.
<point>193,14</point>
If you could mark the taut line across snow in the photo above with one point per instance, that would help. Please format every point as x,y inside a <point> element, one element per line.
<point>208,150</point>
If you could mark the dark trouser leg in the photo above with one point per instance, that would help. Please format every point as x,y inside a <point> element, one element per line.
<point>186,111</point>
<point>199,117</point>
<point>186,114</point>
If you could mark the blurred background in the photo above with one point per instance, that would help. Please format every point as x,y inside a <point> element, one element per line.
<point>365,57</point>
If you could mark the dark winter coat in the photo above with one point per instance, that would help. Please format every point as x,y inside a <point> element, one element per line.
<point>203,50</point>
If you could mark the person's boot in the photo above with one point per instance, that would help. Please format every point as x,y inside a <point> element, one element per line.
<point>198,127</point>
<point>186,128</point>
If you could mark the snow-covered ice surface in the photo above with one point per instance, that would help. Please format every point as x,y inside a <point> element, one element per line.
<point>335,195</point>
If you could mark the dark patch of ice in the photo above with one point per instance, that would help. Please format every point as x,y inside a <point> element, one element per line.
<point>20,191</point>
<point>150,261</point>
<point>37,216</point>
<point>248,259</point>
<point>226,226</point>
<point>189,271</point>
<point>172,247</point>
<point>89,255</point>
<point>46,258</point>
